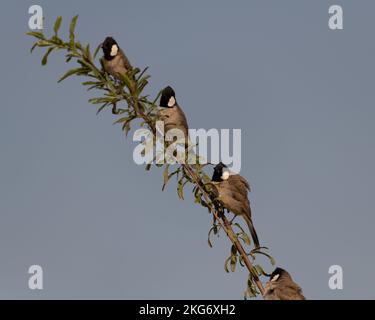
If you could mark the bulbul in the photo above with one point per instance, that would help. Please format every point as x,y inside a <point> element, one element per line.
<point>282,287</point>
<point>171,113</point>
<point>115,61</point>
<point>232,191</point>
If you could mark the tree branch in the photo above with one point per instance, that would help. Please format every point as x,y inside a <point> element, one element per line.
<point>129,90</point>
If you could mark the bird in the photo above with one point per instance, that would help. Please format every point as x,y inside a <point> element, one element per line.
<point>232,190</point>
<point>116,64</point>
<point>282,287</point>
<point>171,113</point>
<point>114,60</point>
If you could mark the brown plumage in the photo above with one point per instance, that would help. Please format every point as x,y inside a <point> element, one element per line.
<point>171,113</point>
<point>232,190</point>
<point>282,287</point>
<point>115,61</point>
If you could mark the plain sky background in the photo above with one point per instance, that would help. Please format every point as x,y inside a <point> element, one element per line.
<point>73,201</point>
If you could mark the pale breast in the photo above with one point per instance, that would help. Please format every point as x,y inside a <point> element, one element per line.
<point>116,66</point>
<point>174,118</point>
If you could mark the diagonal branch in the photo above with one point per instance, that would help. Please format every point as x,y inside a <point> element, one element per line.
<point>129,89</point>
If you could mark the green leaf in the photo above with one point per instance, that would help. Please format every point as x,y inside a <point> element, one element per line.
<point>45,57</point>
<point>36,34</point>
<point>142,73</point>
<point>233,250</point>
<point>89,83</point>
<point>272,260</point>
<point>121,120</point>
<point>157,97</point>
<point>241,261</point>
<point>126,127</point>
<point>214,230</point>
<point>44,43</point>
<point>233,263</point>
<point>226,264</point>
<point>239,226</point>
<point>133,72</point>
<point>33,47</point>
<point>97,50</point>
<point>254,272</point>
<point>57,25</point>
<point>165,176</point>
<point>142,85</point>
<point>72,28</point>
<point>260,270</point>
<point>126,80</point>
<point>245,238</point>
<point>69,73</point>
<point>251,289</point>
<point>87,52</point>
<point>84,63</point>
<point>180,188</point>
<point>101,108</point>
<point>233,258</point>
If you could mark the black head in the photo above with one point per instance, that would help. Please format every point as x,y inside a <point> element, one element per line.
<point>107,47</point>
<point>278,274</point>
<point>218,172</point>
<point>168,98</point>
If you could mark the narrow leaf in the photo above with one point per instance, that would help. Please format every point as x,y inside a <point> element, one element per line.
<point>226,264</point>
<point>36,34</point>
<point>121,120</point>
<point>57,25</point>
<point>165,176</point>
<point>245,238</point>
<point>97,50</point>
<point>72,28</point>
<point>33,47</point>
<point>101,108</point>
<point>45,57</point>
<point>233,263</point>
<point>69,73</point>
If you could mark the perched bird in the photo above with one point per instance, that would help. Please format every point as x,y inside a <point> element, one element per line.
<point>171,113</point>
<point>282,287</point>
<point>115,61</point>
<point>232,191</point>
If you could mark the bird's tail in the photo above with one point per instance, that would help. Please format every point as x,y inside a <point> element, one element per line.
<point>252,231</point>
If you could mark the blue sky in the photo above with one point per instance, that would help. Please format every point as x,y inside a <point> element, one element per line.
<point>73,200</point>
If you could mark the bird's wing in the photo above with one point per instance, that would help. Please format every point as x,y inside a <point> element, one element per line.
<point>181,121</point>
<point>288,290</point>
<point>125,60</point>
<point>240,182</point>
<point>232,199</point>
<point>239,189</point>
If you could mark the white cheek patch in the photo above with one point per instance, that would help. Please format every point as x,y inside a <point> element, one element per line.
<point>114,50</point>
<point>171,102</point>
<point>275,278</point>
<point>225,175</point>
